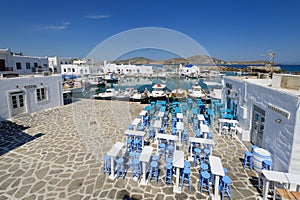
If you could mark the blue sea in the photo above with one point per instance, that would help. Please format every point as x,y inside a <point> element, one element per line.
<point>287,68</point>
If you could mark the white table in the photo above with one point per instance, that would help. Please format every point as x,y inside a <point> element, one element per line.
<point>179,116</point>
<point>217,170</point>
<point>167,137</point>
<point>179,128</point>
<point>137,134</point>
<point>145,158</point>
<point>200,118</point>
<point>136,122</point>
<point>294,179</point>
<point>178,162</point>
<point>113,152</point>
<point>228,121</point>
<point>161,114</point>
<point>279,177</point>
<point>157,126</point>
<point>204,129</point>
<point>200,141</point>
<point>143,113</point>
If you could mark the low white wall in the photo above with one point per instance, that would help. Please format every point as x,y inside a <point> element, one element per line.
<point>52,83</point>
<point>281,139</point>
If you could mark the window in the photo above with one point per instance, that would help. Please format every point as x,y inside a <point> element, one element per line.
<point>18,65</point>
<point>28,65</point>
<point>73,70</point>
<point>65,70</point>
<point>41,94</point>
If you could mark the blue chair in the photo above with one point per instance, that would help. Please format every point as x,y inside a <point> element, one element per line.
<point>198,134</point>
<point>197,156</point>
<point>206,155</point>
<point>186,177</point>
<point>151,133</point>
<point>136,169</point>
<point>162,148</point>
<point>203,167</point>
<point>136,145</point>
<point>185,137</point>
<point>166,121</point>
<point>106,165</point>
<point>170,150</point>
<point>141,127</point>
<point>248,159</point>
<point>155,158</point>
<point>225,170</point>
<point>154,170</point>
<point>169,160</point>
<point>174,131</point>
<point>225,188</point>
<point>128,145</point>
<point>204,181</point>
<point>147,121</point>
<point>130,127</point>
<point>169,173</point>
<point>120,168</point>
<point>267,165</point>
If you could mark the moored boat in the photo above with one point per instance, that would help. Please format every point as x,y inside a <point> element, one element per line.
<point>178,94</point>
<point>196,92</point>
<point>158,92</point>
<point>108,94</point>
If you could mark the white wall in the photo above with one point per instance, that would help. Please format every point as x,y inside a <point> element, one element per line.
<point>128,69</point>
<point>11,60</point>
<point>80,69</point>
<point>281,139</point>
<point>52,83</point>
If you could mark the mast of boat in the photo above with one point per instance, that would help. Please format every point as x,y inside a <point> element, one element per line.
<point>177,74</point>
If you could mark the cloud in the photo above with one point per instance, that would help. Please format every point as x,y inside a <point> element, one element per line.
<point>97,16</point>
<point>62,26</point>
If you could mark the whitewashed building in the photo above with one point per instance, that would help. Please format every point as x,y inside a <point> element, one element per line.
<point>23,65</point>
<point>80,70</point>
<point>189,70</point>
<point>56,62</point>
<point>268,111</point>
<point>29,94</point>
<point>128,69</point>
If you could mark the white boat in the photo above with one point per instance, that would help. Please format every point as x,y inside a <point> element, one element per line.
<point>196,92</point>
<point>158,91</point>
<point>140,96</point>
<point>124,95</point>
<point>178,94</point>
<point>108,94</point>
<point>110,78</point>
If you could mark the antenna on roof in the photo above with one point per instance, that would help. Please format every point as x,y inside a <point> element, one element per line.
<point>270,56</point>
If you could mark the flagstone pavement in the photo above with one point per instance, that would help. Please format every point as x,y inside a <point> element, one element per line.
<point>58,154</point>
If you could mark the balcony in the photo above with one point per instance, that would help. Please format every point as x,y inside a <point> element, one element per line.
<point>6,69</point>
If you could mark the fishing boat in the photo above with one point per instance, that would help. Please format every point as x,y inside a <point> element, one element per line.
<point>124,95</point>
<point>110,93</point>
<point>140,96</point>
<point>196,92</point>
<point>110,78</point>
<point>178,95</point>
<point>158,92</point>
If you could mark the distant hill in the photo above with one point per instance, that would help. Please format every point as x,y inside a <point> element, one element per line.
<point>204,59</point>
<point>196,60</point>
<point>135,61</point>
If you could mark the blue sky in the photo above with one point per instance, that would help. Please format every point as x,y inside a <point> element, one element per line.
<point>229,30</point>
